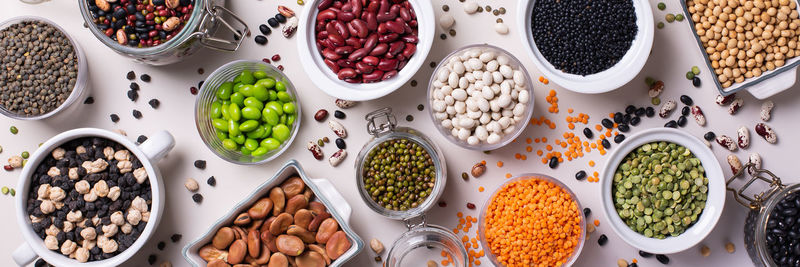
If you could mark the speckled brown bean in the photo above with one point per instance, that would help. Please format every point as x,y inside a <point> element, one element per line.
<point>237,252</point>
<point>295,203</point>
<point>337,245</point>
<point>278,200</point>
<point>242,219</point>
<point>303,218</point>
<point>269,240</point>
<point>317,207</point>
<point>264,257</point>
<point>253,243</point>
<point>217,263</point>
<point>255,225</point>
<point>317,221</point>
<point>308,193</point>
<point>310,259</point>
<point>278,260</point>
<point>280,224</point>
<point>267,223</point>
<point>240,233</point>
<point>734,163</point>
<point>223,238</point>
<point>260,209</point>
<point>210,253</point>
<point>293,186</point>
<point>326,230</point>
<point>321,251</point>
<point>302,233</point>
<point>290,245</point>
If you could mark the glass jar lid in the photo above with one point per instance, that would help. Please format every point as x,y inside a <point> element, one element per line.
<point>423,243</point>
<point>383,125</point>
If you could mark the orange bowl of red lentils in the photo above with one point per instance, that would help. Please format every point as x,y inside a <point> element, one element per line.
<point>532,220</point>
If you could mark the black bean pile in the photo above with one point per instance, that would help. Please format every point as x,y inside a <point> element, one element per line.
<point>140,23</point>
<point>783,231</point>
<point>90,199</point>
<point>583,37</point>
<point>39,68</point>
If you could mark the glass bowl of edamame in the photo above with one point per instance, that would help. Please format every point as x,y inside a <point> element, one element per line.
<point>247,112</point>
<point>663,190</point>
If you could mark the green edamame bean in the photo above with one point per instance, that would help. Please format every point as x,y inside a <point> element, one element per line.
<point>270,116</point>
<point>280,86</point>
<point>271,143</point>
<point>267,131</point>
<point>237,98</point>
<point>283,119</point>
<point>280,132</point>
<point>247,90</point>
<point>276,106</point>
<point>284,97</point>
<point>216,111</point>
<point>246,77</point>
<point>224,111</point>
<point>273,95</point>
<point>222,135</point>
<point>220,124</point>
<point>234,112</point>
<point>233,128</point>
<point>268,83</point>
<point>237,87</point>
<point>225,90</point>
<point>260,92</point>
<point>289,108</point>
<point>251,113</point>
<point>229,144</point>
<point>260,74</point>
<point>245,151</point>
<point>251,144</point>
<point>290,120</point>
<point>257,133</point>
<point>239,139</point>
<point>254,103</point>
<point>260,152</point>
<point>248,126</point>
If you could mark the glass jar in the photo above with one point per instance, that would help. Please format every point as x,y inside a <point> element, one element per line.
<point>761,206</point>
<point>201,30</point>
<point>422,241</point>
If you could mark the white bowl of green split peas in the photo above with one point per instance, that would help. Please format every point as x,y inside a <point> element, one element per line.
<point>247,112</point>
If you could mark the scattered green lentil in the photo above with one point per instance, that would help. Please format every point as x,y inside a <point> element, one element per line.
<point>488,8</point>
<point>689,75</point>
<point>649,81</point>
<point>445,8</point>
<point>452,32</point>
<point>25,154</point>
<point>662,6</point>
<point>13,129</point>
<point>499,20</point>
<point>670,18</point>
<point>320,143</point>
<point>300,2</point>
<point>496,12</point>
<point>4,190</point>
<point>502,10</point>
<point>695,70</point>
<point>679,17</point>
<point>13,192</point>
<point>480,9</point>
<point>660,189</point>
<point>326,140</point>
<point>655,101</point>
<point>464,176</point>
<point>660,25</point>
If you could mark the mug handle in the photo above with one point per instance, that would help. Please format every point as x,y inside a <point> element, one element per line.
<point>158,145</point>
<point>24,255</point>
<point>339,203</point>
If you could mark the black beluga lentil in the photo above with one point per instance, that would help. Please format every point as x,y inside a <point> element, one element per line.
<point>583,37</point>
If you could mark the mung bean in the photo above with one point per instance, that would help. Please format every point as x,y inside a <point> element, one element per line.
<point>399,174</point>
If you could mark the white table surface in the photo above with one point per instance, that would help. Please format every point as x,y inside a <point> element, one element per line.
<point>673,54</point>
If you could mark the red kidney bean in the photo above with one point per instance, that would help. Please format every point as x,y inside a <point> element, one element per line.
<point>354,80</point>
<point>395,9</point>
<point>327,43</point>
<point>319,26</point>
<point>393,26</point>
<point>348,7</point>
<point>364,68</point>
<point>388,64</point>
<point>327,14</point>
<point>331,54</point>
<point>409,50</point>
<point>372,21</point>
<point>332,65</point>
<point>336,39</point>
<point>371,41</point>
<point>405,14</point>
<point>354,42</point>
<point>389,74</point>
<point>410,39</point>
<point>382,28</point>
<point>384,17</point>
<point>379,49</point>
<point>406,27</point>
<point>346,16</point>
<point>357,7</point>
<point>358,54</point>
<point>353,31</point>
<point>341,29</point>
<point>346,73</point>
<point>344,50</point>
<point>324,4</point>
<point>413,23</point>
<point>395,48</point>
<point>384,6</point>
<point>373,76</point>
<point>359,28</point>
<point>373,7</point>
<point>344,63</point>
<point>388,38</point>
<point>402,64</point>
<point>337,4</point>
<point>371,60</point>
<point>322,34</point>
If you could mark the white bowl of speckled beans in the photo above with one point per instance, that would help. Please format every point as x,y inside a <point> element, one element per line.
<point>696,232</point>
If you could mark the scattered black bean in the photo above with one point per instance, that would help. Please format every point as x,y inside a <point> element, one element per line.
<point>133,95</point>
<point>630,109</point>
<point>413,84</point>
<point>145,78</point>
<point>137,114</point>
<point>273,22</point>
<point>650,112</point>
<point>151,259</point>
<point>618,117</point>
<point>200,71</point>
<point>260,39</point>
<point>340,143</point>
<point>41,263</point>
<point>623,128</point>
<point>200,164</point>
<point>200,84</point>
<point>409,118</point>
<point>602,240</point>
<point>662,258</point>
<point>696,81</point>
<point>161,245</point>
<point>553,163</point>
<point>588,133</point>
<point>131,75</point>
<point>681,121</point>
<point>280,17</point>
<point>709,136</point>
<point>626,119</point>
<point>645,254</point>
<point>114,118</point>
<point>685,110</point>
<point>633,264</point>
<point>587,212</point>
<point>134,86</point>
<point>686,100</point>
<point>197,198</point>
<point>154,103</point>
<point>783,231</point>
<point>635,121</point>
<point>580,175</point>
<point>640,112</point>
<point>619,138</point>
<point>606,143</point>
<point>420,107</point>
<point>607,123</point>
<point>442,36</point>
<point>141,139</point>
<point>265,30</point>
<point>211,181</point>
<point>671,124</point>
<point>339,114</point>
<point>175,238</point>
<point>445,8</point>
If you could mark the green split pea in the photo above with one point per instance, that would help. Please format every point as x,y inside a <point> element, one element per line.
<point>253,114</point>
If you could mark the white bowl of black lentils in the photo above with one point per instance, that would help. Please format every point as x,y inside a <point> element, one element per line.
<point>663,191</point>
<point>44,69</point>
<point>587,46</point>
<point>90,197</point>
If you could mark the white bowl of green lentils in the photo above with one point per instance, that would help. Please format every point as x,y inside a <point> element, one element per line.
<point>247,112</point>
<point>663,190</point>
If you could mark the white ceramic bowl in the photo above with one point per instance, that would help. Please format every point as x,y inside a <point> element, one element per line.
<point>149,153</point>
<point>323,192</point>
<point>327,81</point>
<point>618,75</point>
<point>714,204</point>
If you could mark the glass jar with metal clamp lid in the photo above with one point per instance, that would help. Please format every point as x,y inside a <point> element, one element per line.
<point>209,19</point>
<point>400,175</point>
<point>768,211</point>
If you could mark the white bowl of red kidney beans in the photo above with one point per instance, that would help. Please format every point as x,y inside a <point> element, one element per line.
<point>364,49</point>
<point>90,197</point>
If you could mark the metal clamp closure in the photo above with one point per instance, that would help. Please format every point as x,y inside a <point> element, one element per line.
<point>207,30</point>
<point>755,202</point>
<point>381,121</point>
<point>421,222</point>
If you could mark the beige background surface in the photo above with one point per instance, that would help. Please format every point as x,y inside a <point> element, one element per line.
<point>673,54</point>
